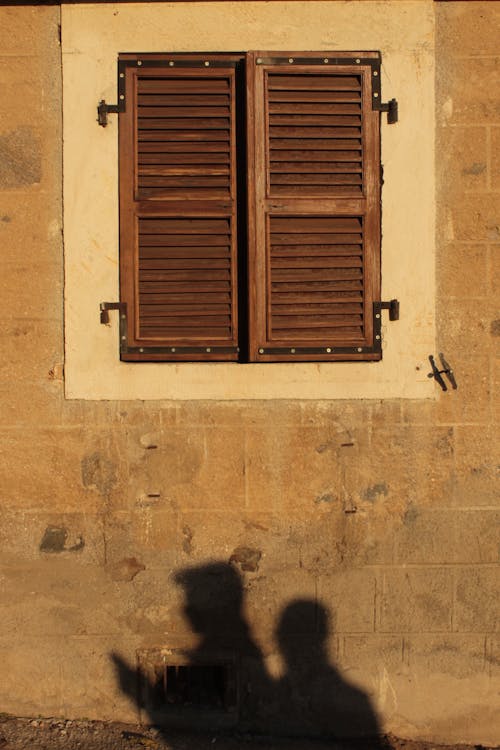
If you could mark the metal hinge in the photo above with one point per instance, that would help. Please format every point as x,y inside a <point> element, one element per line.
<point>102,112</point>
<point>392,306</point>
<point>391,107</point>
<point>104,308</point>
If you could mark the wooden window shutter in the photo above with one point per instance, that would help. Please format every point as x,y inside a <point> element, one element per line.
<point>178,218</point>
<point>314,206</point>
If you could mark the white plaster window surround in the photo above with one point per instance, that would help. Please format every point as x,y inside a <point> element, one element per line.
<point>92,36</point>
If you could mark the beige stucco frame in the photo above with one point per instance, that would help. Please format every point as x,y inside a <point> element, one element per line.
<point>92,36</point>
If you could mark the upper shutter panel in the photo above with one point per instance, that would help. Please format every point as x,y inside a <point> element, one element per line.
<point>178,208</point>
<point>315,135</point>
<point>184,136</point>
<point>315,239</point>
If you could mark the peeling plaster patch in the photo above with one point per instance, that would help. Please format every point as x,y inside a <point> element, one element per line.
<point>373,492</point>
<point>447,109</point>
<point>449,229</point>
<point>54,541</point>
<point>323,447</point>
<point>187,541</point>
<point>445,443</point>
<point>326,498</point>
<point>148,499</point>
<point>410,515</point>
<point>98,473</point>
<point>56,372</point>
<point>149,441</point>
<point>247,558</point>
<point>126,569</point>
<point>476,168</point>
<point>255,525</point>
<point>54,228</point>
<point>20,158</point>
<point>20,331</point>
<point>387,692</point>
<point>495,327</point>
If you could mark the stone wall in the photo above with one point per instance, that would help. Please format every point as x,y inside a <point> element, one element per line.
<point>384,512</point>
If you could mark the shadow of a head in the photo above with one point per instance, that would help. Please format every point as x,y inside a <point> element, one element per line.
<point>213,602</point>
<point>313,692</point>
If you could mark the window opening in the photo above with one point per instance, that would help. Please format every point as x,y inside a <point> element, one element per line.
<point>250,206</point>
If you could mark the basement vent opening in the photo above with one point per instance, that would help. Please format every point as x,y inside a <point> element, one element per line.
<point>204,686</point>
<point>177,693</point>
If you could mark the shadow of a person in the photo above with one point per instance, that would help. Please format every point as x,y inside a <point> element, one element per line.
<point>214,609</point>
<point>310,699</point>
<point>315,698</point>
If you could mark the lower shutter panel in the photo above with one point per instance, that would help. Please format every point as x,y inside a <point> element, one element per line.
<point>316,278</point>
<point>185,279</point>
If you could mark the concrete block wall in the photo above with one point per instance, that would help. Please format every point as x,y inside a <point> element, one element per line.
<point>387,513</point>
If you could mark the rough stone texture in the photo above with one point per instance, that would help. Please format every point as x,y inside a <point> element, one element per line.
<point>384,512</point>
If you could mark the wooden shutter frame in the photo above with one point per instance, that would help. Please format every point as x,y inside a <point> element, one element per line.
<point>262,205</point>
<point>135,347</point>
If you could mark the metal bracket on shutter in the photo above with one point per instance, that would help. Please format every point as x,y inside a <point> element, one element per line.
<point>104,109</point>
<point>198,61</point>
<point>104,308</point>
<point>392,306</point>
<point>179,350</point>
<point>391,107</point>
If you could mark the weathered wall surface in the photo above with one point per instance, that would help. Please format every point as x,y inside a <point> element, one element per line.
<point>385,512</point>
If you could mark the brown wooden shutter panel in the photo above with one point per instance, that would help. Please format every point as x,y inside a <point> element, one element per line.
<point>314,250</point>
<point>178,230</point>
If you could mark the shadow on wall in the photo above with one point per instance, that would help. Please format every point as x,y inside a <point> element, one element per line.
<point>223,682</point>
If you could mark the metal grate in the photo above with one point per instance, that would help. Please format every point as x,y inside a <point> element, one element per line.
<point>175,692</point>
<point>205,686</point>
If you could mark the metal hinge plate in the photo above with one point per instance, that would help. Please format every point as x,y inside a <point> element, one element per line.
<point>376,348</point>
<point>390,107</point>
<point>103,109</point>
<point>392,306</point>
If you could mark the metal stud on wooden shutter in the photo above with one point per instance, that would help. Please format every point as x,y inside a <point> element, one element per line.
<point>178,208</point>
<point>314,255</point>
